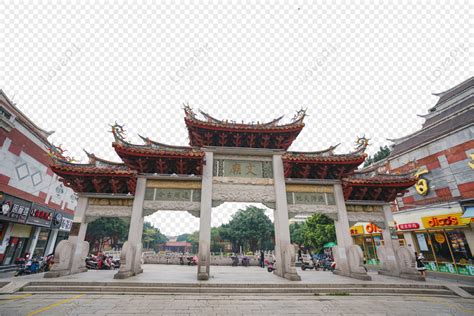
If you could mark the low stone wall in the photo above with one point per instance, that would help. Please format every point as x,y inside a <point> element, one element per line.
<point>216,260</point>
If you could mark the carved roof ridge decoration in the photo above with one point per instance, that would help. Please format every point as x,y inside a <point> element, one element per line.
<point>163,146</point>
<point>370,176</point>
<point>150,147</point>
<point>190,116</point>
<point>325,155</point>
<point>103,163</point>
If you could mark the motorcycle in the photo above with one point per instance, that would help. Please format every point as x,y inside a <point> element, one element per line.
<point>27,265</point>
<point>270,265</point>
<point>192,261</point>
<point>47,263</point>
<point>245,261</point>
<point>235,261</point>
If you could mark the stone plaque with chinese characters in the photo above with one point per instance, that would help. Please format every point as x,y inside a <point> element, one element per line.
<point>184,195</point>
<point>242,168</point>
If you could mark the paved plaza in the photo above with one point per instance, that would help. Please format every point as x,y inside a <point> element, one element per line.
<point>21,303</point>
<point>71,304</point>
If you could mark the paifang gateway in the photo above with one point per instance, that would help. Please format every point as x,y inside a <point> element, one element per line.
<point>228,161</point>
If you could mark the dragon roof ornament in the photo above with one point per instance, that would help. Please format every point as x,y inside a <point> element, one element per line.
<point>190,114</point>
<point>59,155</point>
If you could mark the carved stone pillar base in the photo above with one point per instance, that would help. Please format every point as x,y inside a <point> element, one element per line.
<point>130,261</point>
<point>203,276</point>
<point>126,274</point>
<point>349,263</point>
<point>292,276</point>
<point>67,261</point>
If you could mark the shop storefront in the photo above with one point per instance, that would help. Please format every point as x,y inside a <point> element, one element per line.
<point>444,239</point>
<point>41,217</point>
<point>368,236</point>
<point>13,216</point>
<point>63,229</point>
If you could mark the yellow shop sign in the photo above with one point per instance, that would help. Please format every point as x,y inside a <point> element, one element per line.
<point>357,230</point>
<point>444,220</point>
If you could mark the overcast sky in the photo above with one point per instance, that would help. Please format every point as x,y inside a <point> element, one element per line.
<point>359,67</point>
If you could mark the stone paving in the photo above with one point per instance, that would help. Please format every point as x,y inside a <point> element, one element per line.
<point>224,274</point>
<point>205,304</point>
<point>85,305</point>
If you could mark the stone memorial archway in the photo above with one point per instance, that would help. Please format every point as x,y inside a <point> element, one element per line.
<point>231,162</point>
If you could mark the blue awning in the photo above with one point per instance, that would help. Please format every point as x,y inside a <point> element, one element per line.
<point>469,212</point>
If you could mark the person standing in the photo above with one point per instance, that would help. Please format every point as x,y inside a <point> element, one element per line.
<point>420,265</point>
<point>262,259</point>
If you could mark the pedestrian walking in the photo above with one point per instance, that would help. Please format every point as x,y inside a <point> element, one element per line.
<point>420,265</point>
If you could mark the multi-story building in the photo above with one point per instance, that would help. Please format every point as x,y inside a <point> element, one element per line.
<point>36,208</point>
<point>436,215</point>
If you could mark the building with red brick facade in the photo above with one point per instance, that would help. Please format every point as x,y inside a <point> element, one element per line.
<point>36,208</point>
<point>436,215</point>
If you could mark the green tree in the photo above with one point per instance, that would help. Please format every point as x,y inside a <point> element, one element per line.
<point>381,154</point>
<point>108,229</point>
<point>249,227</point>
<point>297,233</point>
<point>194,240</point>
<point>318,230</point>
<point>182,237</point>
<point>152,235</point>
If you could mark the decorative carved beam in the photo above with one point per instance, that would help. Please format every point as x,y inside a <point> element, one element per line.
<point>181,166</point>
<point>142,164</point>
<point>237,140</point>
<point>287,169</point>
<point>322,171</point>
<point>114,185</point>
<point>251,140</point>
<point>375,193</point>
<point>265,141</point>
<point>361,193</point>
<point>161,165</point>
<point>222,139</point>
<point>131,185</point>
<point>98,185</point>
<point>305,171</point>
<point>208,137</point>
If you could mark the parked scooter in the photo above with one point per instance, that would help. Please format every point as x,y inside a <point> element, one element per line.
<point>235,260</point>
<point>27,265</point>
<point>245,261</point>
<point>307,263</point>
<point>46,263</point>
<point>270,265</point>
<point>192,261</point>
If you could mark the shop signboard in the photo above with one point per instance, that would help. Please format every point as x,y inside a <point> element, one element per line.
<point>466,270</point>
<point>57,220</point>
<point>14,209</point>
<point>357,230</point>
<point>66,224</point>
<point>447,220</point>
<point>447,268</point>
<point>431,266</point>
<point>408,226</point>
<point>40,215</point>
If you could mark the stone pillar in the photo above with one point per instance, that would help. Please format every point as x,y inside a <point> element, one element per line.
<point>396,261</point>
<point>349,257</point>
<point>70,254</point>
<point>51,241</point>
<point>130,258</point>
<point>204,255</point>
<point>284,250</point>
<point>33,240</point>
<point>82,247</point>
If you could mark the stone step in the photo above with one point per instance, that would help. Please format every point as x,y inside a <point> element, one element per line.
<point>232,290</point>
<point>239,285</point>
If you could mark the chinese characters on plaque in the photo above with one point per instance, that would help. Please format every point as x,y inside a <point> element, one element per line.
<point>243,168</point>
